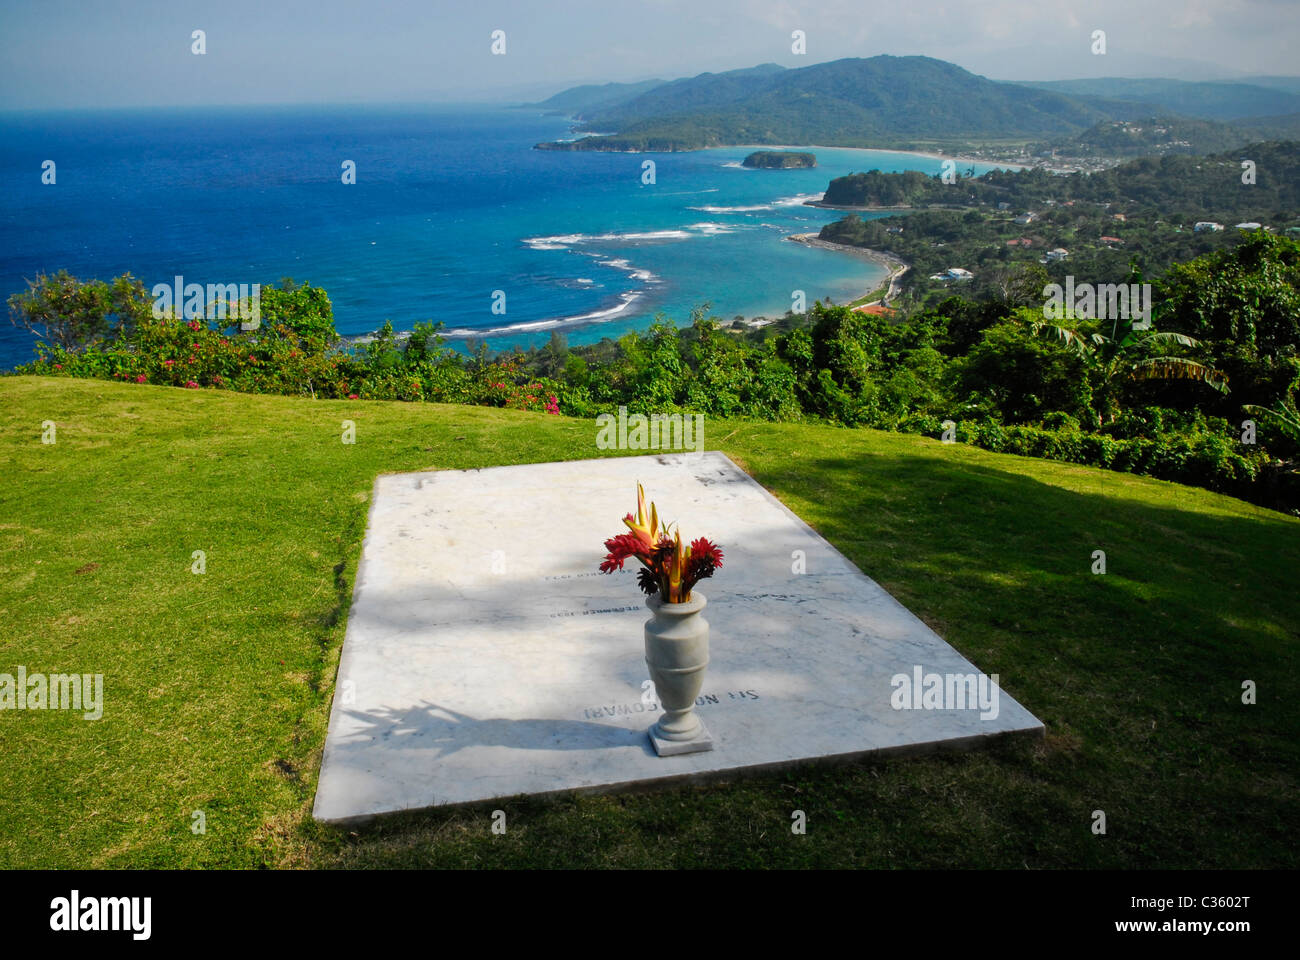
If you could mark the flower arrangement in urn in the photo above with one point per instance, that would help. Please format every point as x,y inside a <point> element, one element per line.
<point>676,635</point>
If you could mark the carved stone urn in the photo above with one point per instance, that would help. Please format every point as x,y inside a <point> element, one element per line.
<point>677,653</point>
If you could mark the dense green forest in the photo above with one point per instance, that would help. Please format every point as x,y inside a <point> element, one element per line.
<point>923,103</point>
<point>933,241</point>
<point>1158,135</point>
<point>880,101</point>
<point>1188,188</point>
<point>1142,213</point>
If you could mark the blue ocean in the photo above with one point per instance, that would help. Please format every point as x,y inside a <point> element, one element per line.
<point>450,206</point>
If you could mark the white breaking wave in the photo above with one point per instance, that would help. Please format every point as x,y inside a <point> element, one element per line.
<point>565,240</point>
<point>713,229</point>
<point>625,301</point>
<point>750,209</point>
<point>795,201</point>
<point>636,273</point>
<point>799,199</point>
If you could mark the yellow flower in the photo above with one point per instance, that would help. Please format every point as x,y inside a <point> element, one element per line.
<point>645,525</point>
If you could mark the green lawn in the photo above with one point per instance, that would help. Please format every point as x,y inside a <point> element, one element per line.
<point>218,686</point>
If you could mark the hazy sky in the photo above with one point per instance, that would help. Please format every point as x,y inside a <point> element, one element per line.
<point>79,53</point>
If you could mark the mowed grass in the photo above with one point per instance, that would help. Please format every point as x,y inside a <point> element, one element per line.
<point>218,686</point>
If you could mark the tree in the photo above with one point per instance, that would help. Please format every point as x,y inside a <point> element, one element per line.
<point>303,309</point>
<point>72,314</point>
<point>1125,354</point>
<point>1247,298</point>
<point>1022,375</point>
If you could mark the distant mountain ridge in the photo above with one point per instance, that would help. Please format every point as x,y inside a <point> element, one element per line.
<point>852,102</point>
<point>578,100</point>
<point>905,102</point>
<point>1219,100</point>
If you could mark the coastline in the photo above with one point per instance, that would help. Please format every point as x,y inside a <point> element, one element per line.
<point>956,157</point>
<point>959,158</point>
<point>896,265</point>
<point>854,208</point>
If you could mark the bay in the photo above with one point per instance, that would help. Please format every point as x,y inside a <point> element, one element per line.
<point>451,204</point>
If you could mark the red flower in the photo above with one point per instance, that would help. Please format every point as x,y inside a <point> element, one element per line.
<point>168,363</point>
<point>191,384</point>
<point>352,396</point>
<point>621,548</point>
<point>58,366</point>
<point>141,379</point>
<point>702,550</point>
<point>669,567</point>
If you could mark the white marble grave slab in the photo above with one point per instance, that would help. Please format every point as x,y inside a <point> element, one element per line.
<point>468,675</point>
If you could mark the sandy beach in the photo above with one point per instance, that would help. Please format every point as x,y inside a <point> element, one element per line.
<point>897,267</point>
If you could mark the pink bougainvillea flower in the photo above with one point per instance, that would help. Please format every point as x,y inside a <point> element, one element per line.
<point>191,384</point>
<point>58,366</point>
<point>141,379</point>
<point>352,396</point>
<point>168,363</point>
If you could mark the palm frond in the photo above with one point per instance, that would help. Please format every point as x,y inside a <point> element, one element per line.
<point>1285,418</point>
<point>1179,368</point>
<point>1072,339</point>
<point>1171,337</point>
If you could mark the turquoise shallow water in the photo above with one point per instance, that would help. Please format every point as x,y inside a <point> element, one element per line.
<point>450,205</point>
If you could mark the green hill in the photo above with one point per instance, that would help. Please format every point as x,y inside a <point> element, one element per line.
<point>218,687</point>
<point>1159,136</point>
<point>1215,100</point>
<point>1208,187</point>
<point>578,100</point>
<point>879,101</point>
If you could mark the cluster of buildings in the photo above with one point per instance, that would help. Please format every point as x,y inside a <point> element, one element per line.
<point>1203,226</point>
<point>953,273</point>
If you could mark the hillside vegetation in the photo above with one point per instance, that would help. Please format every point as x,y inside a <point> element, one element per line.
<point>854,102</point>
<point>1093,387</point>
<point>923,103</point>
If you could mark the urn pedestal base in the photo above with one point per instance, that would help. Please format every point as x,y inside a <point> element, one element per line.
<point>671,748</point>
<point>677,654</point>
